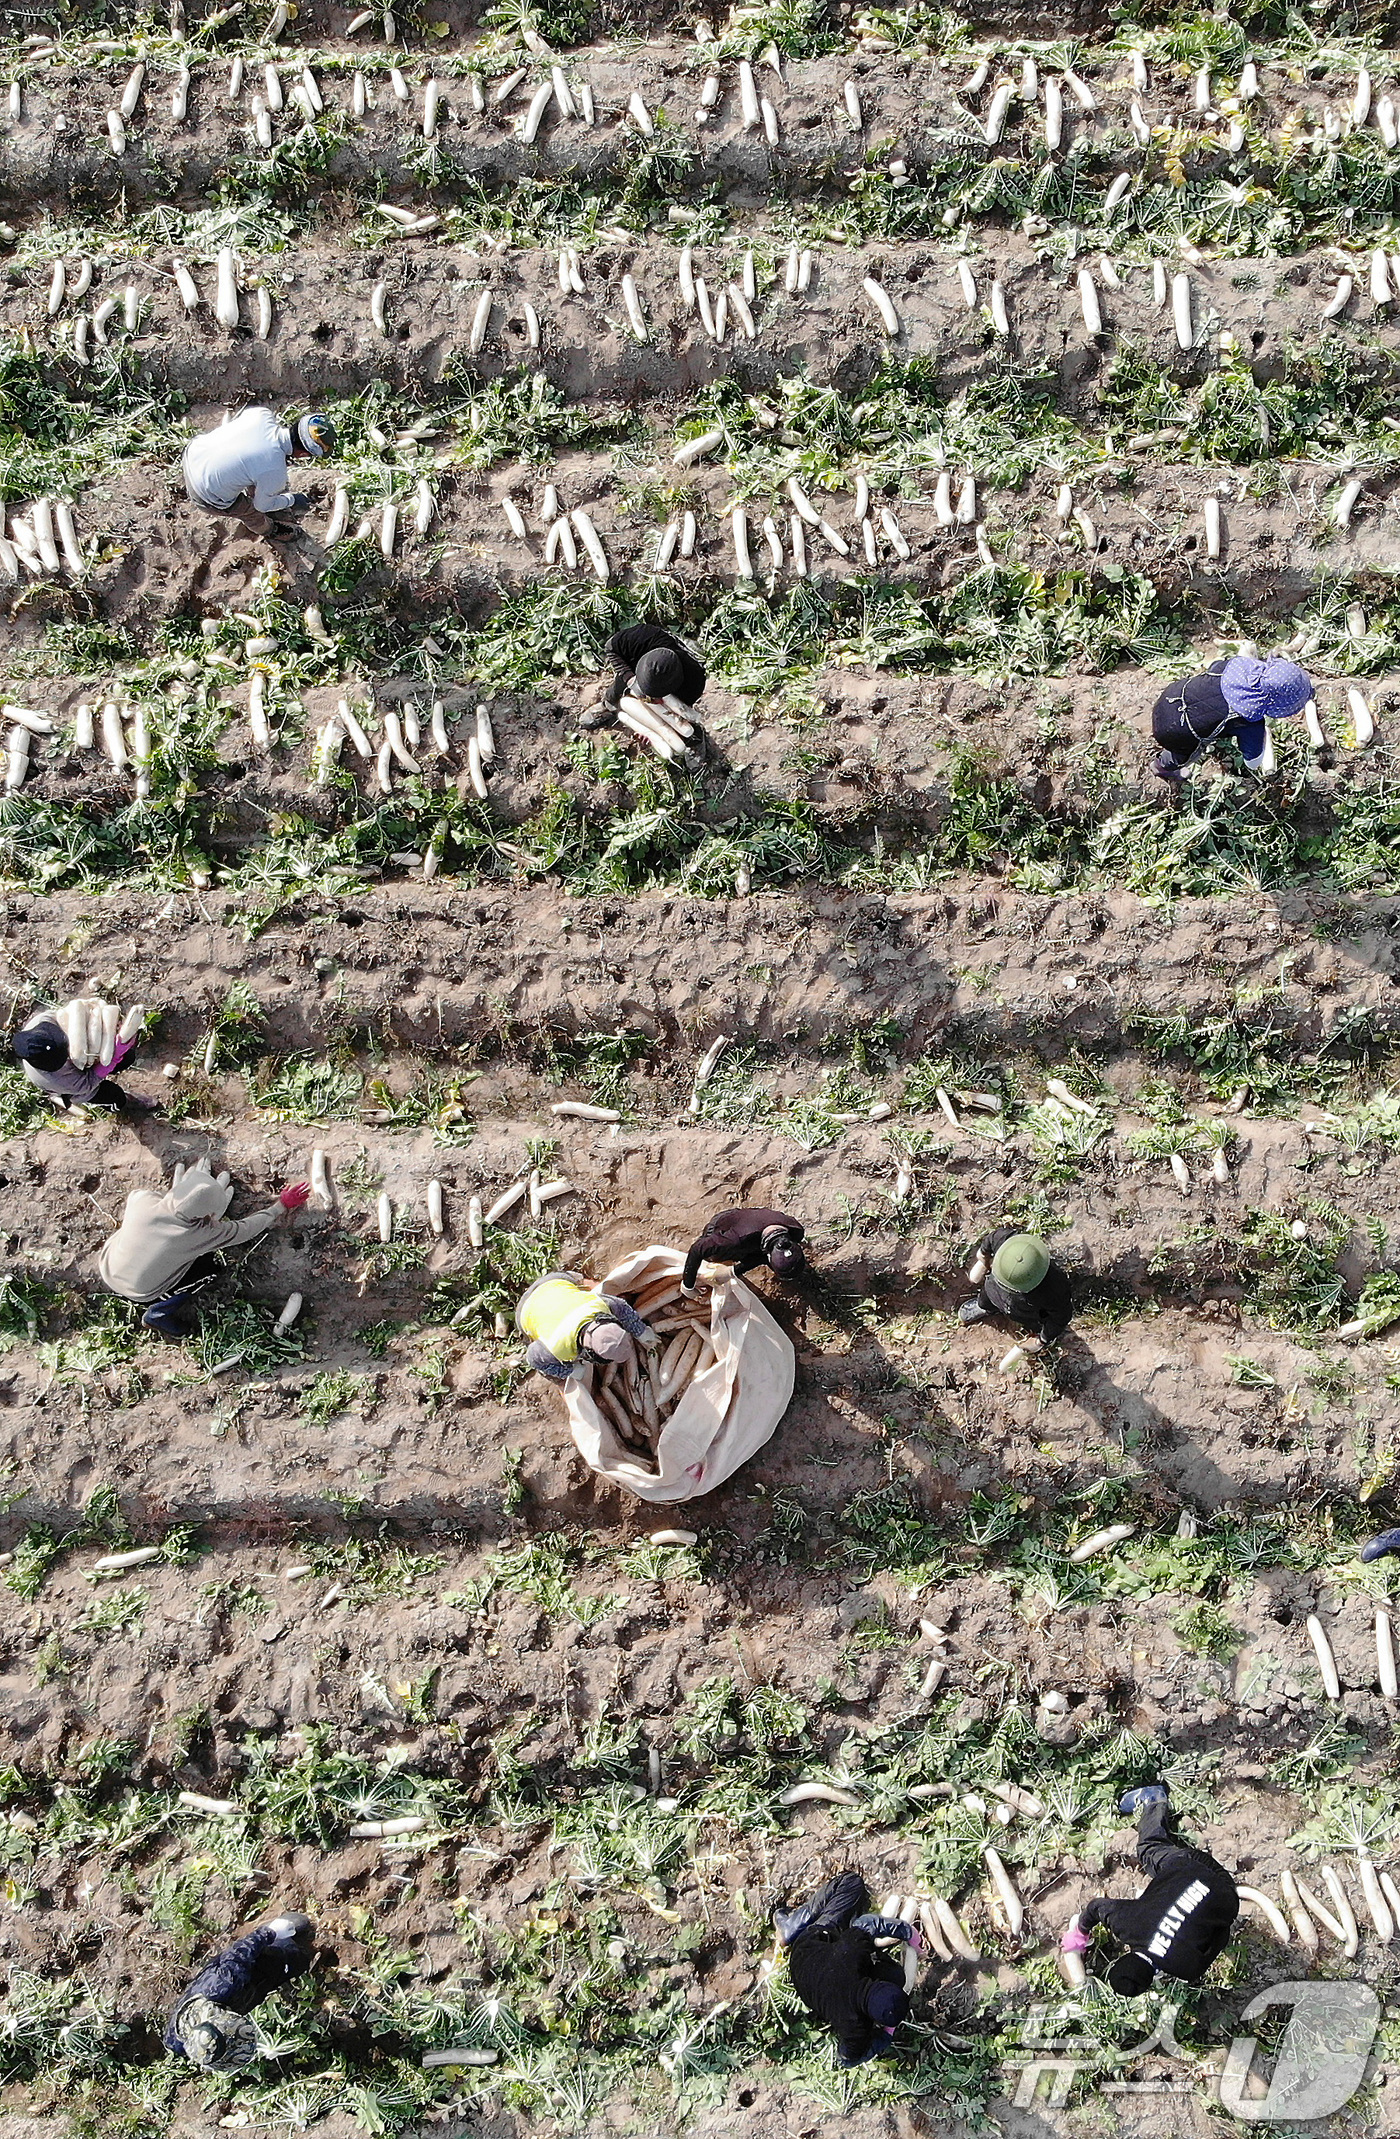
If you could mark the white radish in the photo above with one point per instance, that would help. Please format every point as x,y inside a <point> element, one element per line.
<point>1089,303</point>
<point>739,531</point>
<point>1303,1924</point>
<point>63,524</point>
<point>1385,1654</point>
<point>1054,114</point>
<point>44,535</point>
<point>435,1220</point>
<point>386,1217</point>
<point>376,306</point>
<point>640,116</point>
<point>481,320</point>
<point>995,124</point>
<point>58,283</point>
<point>507,1202</point>
<point>113,738</point>
<point>817,1793</point>
<point>388,531</point>
<point>289,1313</point>
<point>968,283</point>
<point>635,317</point>
<point>1346,503</point>
<point>893,534</point>
<point>997,308</point>
<point>588,536</point>
<point>1326,1662</point>
<point>1013,1908</point>
<point>1181,311</point>
<point>1374,1896</point>
<point>1101,1541</point>
<point>320,1181</point>
<point>1346,1918</point>
<point>539,103</point>
<point>578,1111</point>
<point>1360,712</point>
<point>1269,1910</point>
<point>185,284</point>
<point>226,302</point>
<point>113,1563</point>
<point>879,297</point>
<point>1340,298</point>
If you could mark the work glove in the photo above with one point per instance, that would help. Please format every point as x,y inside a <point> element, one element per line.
<point>293,1197</point>
<point>1075,1940</point>
<point>690,1292</point>
<point>978,1271</point>
<point>300,502</point>
<point>913,1938</point>
<point>122,1050</point>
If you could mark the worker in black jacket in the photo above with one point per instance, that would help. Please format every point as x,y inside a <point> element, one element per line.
<point>1181,1921</point>
<point>744,1239</point>
<point>1231,701</point>
<point>1015,1277</point>
<point>649,662</point>
<point>840,1974</point>
<point>209,2025</point>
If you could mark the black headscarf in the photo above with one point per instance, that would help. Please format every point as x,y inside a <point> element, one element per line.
<point>44,1045</point>
<point>660,674</point>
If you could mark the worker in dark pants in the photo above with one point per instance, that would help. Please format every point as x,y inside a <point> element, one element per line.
<point>1015,1277</point>
<point>648,662</point>
<point>1231,701</point>
<point>744,1239</point>
<point>1182,1920</point>
<point>840,1974</point>
<point>210,2026</point>
<point>41,1048</point>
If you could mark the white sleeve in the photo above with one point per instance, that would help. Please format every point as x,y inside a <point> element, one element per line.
<point>270,492</point>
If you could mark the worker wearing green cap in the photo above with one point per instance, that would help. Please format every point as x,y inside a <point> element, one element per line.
<point>1015,1277</point>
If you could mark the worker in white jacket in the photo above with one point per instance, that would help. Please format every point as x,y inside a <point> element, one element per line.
<point>241,468</point>
<point>168,1245</point>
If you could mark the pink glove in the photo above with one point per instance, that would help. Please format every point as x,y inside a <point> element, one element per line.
<point>1075,1940</point>
<point>912,1938</point>
<point>122,1050</point>
<point>293,1197</point>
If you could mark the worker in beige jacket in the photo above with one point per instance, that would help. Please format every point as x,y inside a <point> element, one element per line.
<point>167,1245</point>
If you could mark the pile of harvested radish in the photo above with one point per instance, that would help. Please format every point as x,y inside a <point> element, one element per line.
<point>639,1397</point>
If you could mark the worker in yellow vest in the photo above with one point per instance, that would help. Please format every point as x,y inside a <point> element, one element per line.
<point>571,1324</point>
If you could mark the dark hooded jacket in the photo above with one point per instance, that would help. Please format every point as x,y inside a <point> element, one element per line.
<point>626,648</point>
<point>833,1972</point>
<point>245,1973</point>
<point>736,1237</point>
<point>1180,1922</point>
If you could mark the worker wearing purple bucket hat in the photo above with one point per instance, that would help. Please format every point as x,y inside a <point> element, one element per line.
<point>1231,701</point>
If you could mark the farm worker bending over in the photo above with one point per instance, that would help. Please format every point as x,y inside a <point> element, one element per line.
<point>1015,1277</point>
<point>744,1239</point>
<point>166,1245</point>
<point>1231,699</point>
<point>650,663</point>
<point>209,2025</point>
<point>1179,1923</point>
<point>838,1971</point>
<point>571,1324</point>
<point>42,1049</point>
<point>241,468</point>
